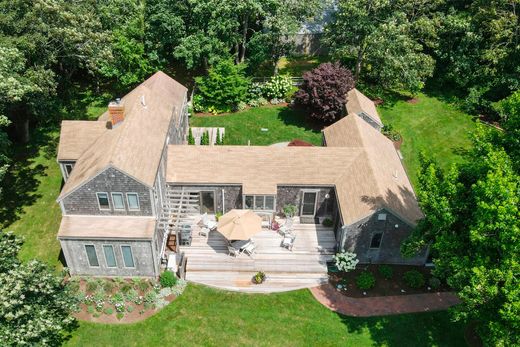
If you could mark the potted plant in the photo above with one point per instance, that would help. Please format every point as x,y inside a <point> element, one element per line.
<point>259,277</point>
<point>290,210</point>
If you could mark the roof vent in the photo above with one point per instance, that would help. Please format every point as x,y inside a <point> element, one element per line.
<point>116,111</point>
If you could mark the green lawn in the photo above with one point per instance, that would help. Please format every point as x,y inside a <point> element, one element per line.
<point>430,125</point>
<point>283,124</point>
<point>297,66</point>
<point>208,317</point>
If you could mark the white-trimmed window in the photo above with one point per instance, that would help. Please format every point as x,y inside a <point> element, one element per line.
<point>128,257</point>
<point>260,202</point>
<point>103,201</point>
<point>68,168</point>
<point>132,200</point>
<point>118,201</point>
<point>92,255</point>
<point>110,256</point>
<point>375,242</point>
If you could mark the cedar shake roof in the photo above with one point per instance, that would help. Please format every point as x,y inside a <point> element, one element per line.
<point>258,168</point>
<point>106,227</point>
<point>76,136</point>
<point>357,102</point>
<point>359,161</point>
<point>135,145</point>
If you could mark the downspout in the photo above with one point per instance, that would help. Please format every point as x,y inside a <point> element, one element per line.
<point>223,207</point>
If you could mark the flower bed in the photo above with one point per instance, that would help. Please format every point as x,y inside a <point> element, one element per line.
<point>114,300</point>
<point>389,280</point>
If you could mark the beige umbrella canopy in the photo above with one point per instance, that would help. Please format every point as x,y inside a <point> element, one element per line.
<point>239,224</point>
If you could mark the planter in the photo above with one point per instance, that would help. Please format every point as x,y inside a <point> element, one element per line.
<point>259,277</point>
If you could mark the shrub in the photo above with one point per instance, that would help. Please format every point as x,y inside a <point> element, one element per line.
<point>73,285</point>
<point>119,281</point>
<point>391,133</point>
<point>120,307</point>
<point>198,103</point>
<point>191,139</point>
<point>168,279</point>
<point>125,287</point>
<point>131,295</point>
<point>255,91</point>
<point>413,279</point>
<point>108,311</point>
<point>365,280</point>
<point>92,285</point>
<point>120,315</point>
<point>277,87</point>
<point>108,286</point>
<point>386,271</point>
<point>218,215</point>
<point>218,138</point>
<point>90,309</point>
<point>129,309</point>
<point>204,139</point>
<point>434,282</point>
<point>323,92</point>
<point>254,102</point>
<point>224,86</point>
<point>262,101</point>
<point>327,222</point>
<point>143,285</point>
<point>290,210</point>
<point>345,261</point>
<point>241,106</point>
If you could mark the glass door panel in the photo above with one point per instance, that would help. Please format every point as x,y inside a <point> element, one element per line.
<point>309,203</point>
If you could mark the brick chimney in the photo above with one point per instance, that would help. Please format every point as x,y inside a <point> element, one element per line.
<point>116,111</point>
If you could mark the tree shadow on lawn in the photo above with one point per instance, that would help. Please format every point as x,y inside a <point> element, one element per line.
<point>414,330</point>
<point>21,180</point>
<point>299,118</point>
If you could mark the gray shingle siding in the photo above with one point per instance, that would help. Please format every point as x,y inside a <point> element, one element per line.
<point>77,261</point>
<point>232,195</point>
<point>359,235</point>
<point>83,200</point>
<point>293,195</point>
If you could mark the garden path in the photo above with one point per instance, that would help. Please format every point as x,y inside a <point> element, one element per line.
<point>328,296</point>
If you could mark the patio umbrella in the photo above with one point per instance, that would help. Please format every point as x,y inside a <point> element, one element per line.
<point>239,224</point>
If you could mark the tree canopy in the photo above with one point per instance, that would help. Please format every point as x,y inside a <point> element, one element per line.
<point>35,305</point>
<point>472,222</point>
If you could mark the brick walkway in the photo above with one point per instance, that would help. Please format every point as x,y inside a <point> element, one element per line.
<point>383,305</point>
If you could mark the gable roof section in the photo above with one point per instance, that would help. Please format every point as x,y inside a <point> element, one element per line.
<point>377,179</point>
<point>357,103</point>
<point>135,145</point>
<point>76,136</point>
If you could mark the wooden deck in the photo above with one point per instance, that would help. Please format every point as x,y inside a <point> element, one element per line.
<point>208,261</point>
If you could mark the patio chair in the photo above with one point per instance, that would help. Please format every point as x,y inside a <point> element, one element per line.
<point>210,224</point>
<point>286,228</point>
<point>204,232</point>
<point>234,252</point>
<point>266,220</point>
<point>288,241</point>
<point>250,249</point>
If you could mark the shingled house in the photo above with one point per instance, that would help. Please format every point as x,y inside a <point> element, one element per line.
<point>130,178</point>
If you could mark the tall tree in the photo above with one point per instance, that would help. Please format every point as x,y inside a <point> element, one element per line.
<point>380,37</point>
<point>472,221</point>
<point>35,304</point>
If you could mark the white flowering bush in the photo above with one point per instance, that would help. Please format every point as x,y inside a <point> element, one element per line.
<point>345,261</point>
<point>179,287</point>
<point>35,306</point>
<point>277,87</point>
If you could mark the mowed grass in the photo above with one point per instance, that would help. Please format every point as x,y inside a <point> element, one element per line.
<point>30,191</point>
<point>431,125</point>
<point>207,317</point>
<point>282,123</point>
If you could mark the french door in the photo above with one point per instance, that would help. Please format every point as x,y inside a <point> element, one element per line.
<point>308,207</point>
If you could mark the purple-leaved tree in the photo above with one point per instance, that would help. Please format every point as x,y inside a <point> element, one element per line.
<point>324,91</point>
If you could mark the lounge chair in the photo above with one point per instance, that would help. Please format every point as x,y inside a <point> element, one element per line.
<point>234,252</point>
<point>288,241</point>
<point>210,224</point>
<point>286,228</point>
